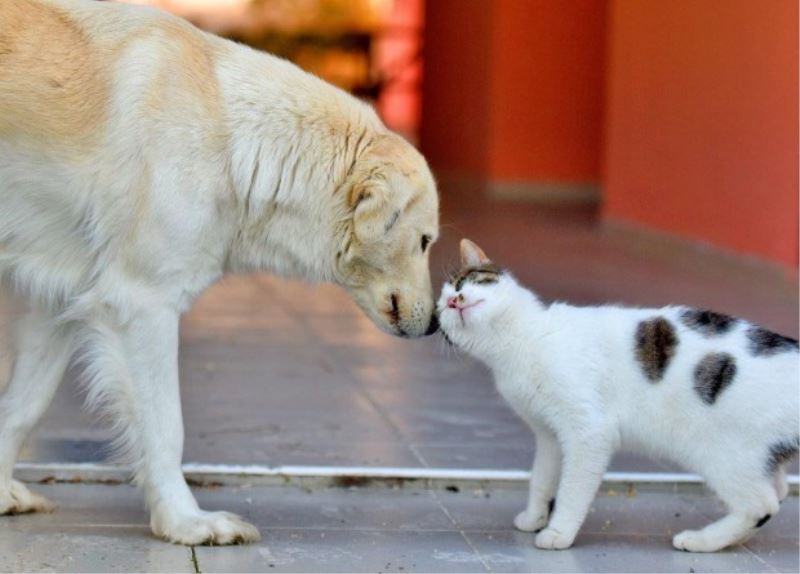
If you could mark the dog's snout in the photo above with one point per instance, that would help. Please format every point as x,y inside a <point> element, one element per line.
<point>433,326</point>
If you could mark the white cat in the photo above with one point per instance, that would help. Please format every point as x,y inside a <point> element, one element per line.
<point>713,393</point>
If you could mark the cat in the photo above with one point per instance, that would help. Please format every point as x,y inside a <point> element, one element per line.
<point>713,393</point>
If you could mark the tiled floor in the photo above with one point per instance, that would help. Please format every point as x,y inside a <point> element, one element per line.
<point>102,528</point>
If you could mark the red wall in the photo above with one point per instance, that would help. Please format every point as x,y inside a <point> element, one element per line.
<point>454,125</point>
<point>702,121</point>
<point>546,90</point>
<point>512,90</point>
<point>698,99</point>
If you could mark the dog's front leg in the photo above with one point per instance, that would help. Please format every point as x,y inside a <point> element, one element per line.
<point>150,347</point>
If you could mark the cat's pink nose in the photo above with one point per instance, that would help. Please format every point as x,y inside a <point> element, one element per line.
<point>452,302</point>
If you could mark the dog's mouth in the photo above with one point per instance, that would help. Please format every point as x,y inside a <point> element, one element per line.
<point>394,312</point>
<point>394,316</point>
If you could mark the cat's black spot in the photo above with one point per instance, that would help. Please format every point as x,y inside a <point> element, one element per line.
<point>708,323</point>
<point>763,520</point>
<point>782,452</point>
<point>551,506</point>
<point>713,373</point>
<point>656,342</point>
<point>763,343</point>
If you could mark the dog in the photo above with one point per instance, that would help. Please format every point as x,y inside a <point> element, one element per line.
<point>141,159</point>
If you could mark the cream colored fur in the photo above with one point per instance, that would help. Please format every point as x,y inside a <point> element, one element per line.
<point>140,160</point>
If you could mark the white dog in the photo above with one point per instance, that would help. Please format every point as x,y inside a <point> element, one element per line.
<point>140,160</point>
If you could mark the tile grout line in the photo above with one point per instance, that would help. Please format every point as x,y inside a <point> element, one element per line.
<point>463,534</point>
<point>759,558</point>
<point>195,563</point>
<point>385,415</point>
<point>468,540</point>
<point>413,448</point>
<point>363,391</point>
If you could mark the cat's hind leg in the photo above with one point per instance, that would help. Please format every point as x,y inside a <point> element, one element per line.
<point>543,484</point>
<point>751,499</point>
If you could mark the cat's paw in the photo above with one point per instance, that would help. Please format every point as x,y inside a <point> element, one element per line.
<point>550,539</point>
<point>530,521</point>
<point>15,498</point>
<point>694,541</point>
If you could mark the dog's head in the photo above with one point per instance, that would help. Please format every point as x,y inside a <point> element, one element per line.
<point>392,221</point>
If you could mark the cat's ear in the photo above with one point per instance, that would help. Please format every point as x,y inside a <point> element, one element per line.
<point>472,255</point>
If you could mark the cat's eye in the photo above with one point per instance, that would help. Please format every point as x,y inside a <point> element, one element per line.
<point>424,242</point>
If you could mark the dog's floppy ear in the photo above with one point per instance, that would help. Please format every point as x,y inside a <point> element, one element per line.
<point>376,207</point>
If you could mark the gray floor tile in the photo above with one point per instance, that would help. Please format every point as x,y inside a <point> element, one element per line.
<point>47,449</point>
<point>631,513</point>
<point>515,552</point>
<point>617,513</point>
<point>345,551</point>
<point>125,549</point>
<point>613,513</point>
<point>465,426</point>
<point>331,508</point>
<point>100,528</point>
<point>780,552</point>
<point>477,457</point>
<point>84,506</point>
<point>96,528</point>
<point>301,451</point>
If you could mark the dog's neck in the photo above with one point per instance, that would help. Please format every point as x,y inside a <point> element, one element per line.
<point>293,143</point>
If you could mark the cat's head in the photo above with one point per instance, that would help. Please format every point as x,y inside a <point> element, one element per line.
<point>474,296</point>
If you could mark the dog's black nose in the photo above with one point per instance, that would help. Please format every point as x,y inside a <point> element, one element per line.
<point>433,326</point>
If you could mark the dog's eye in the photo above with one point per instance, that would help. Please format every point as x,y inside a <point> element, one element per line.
<point>425,241</point>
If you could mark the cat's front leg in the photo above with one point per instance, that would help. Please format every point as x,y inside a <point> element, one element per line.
<point>585,459</point>
<point>543,483</point>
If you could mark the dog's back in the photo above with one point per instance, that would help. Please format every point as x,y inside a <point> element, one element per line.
<point>97,100</point>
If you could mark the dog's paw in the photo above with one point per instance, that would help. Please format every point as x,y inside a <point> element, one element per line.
<point>530,521</point>
<point>15,498</point>
<point>550,539</point>
<point>694,541</point>
<point>201,527</point>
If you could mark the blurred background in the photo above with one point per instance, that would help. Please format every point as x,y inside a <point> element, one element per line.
<point>680,116</point>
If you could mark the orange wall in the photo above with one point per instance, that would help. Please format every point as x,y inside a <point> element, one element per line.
<point>455,96</point>
<point>396,53</point>
<point>546,90</point>
<point>512,89</point>
<point>702,121</point>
